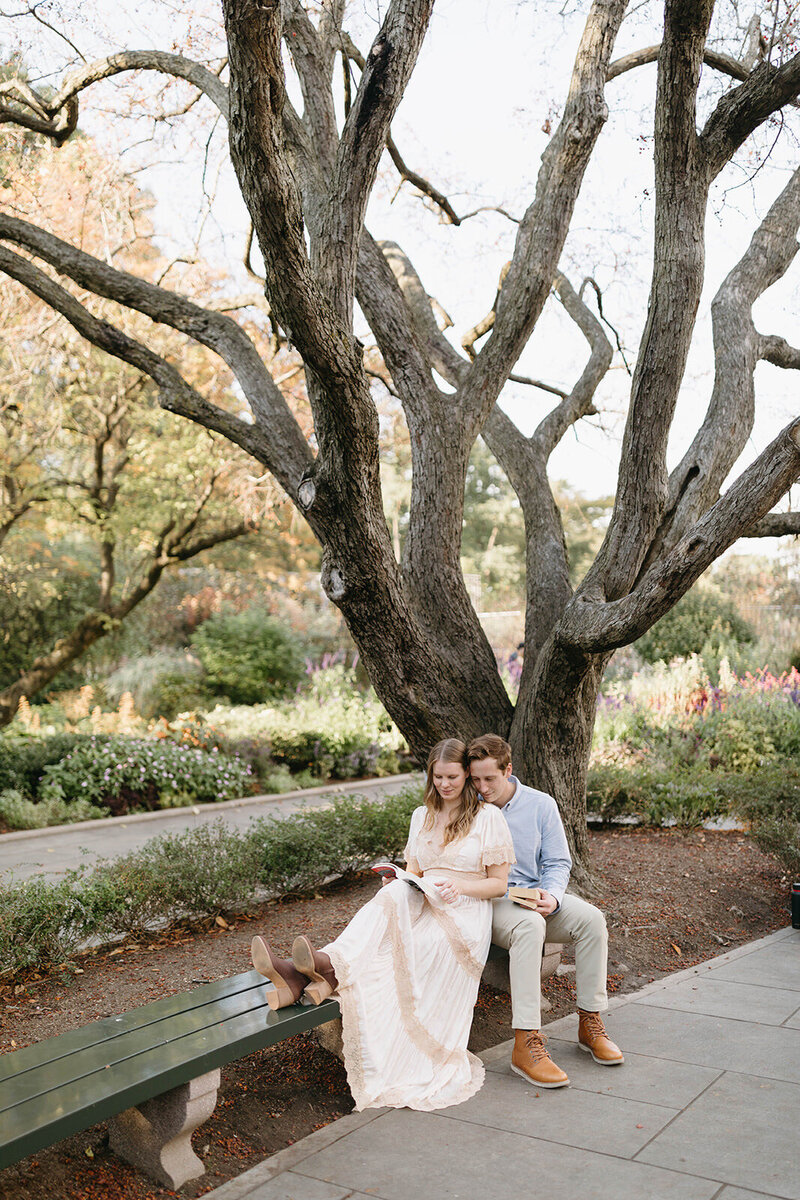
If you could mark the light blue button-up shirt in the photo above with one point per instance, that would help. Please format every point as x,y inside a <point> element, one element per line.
<point>540,843</point>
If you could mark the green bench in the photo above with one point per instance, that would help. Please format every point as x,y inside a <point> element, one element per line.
<point>153,1073</point>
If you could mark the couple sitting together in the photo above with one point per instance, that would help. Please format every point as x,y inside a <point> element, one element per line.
<point>406,968</point>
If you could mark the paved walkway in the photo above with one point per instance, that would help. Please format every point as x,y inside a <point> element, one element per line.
<point>705,1108</point>
<point>53,851</point>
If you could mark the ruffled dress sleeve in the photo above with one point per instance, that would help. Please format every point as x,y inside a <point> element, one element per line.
<point>497,846</point>
<point>417,818</point>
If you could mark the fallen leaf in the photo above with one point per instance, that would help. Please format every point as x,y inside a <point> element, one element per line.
<point>89,1152</point>
<point>223,924</point>
<point>677,949</point>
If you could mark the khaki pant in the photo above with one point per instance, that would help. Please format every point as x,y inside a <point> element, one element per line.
<point>523,933</point>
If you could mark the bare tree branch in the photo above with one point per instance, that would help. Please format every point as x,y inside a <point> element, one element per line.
<point>580,401</point>
<point>543,229</point>
<point>744,108</point>
<point>289,455</point>
<point>776,350</point>
<point>314,72</point>
<point>175,394</point>
<point>649,54</point>
<point>695,483</point>
<point>129,60</point>
<point>776,525</point>
<point>387,70</point>
<point>598,627</point>
<point>681,193</point>
<point>423,185</point>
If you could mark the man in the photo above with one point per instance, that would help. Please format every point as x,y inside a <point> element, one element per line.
<point>543,861</point>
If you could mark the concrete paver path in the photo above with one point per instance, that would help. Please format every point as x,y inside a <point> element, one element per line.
<point>52,852</point>
<point>705,1107</point>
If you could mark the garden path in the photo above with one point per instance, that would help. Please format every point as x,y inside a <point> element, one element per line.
<point>53,851</point>
<point>703,1108</point>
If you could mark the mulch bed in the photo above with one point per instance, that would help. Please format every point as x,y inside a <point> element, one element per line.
<point>671,899</point>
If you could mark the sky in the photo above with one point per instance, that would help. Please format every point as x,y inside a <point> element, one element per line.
<point>491,77</point>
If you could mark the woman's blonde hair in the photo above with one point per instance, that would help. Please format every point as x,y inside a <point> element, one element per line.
<point>451,750</point>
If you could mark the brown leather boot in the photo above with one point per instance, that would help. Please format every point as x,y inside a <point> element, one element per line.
<point>530,1059</point>
<point>592,1037</point>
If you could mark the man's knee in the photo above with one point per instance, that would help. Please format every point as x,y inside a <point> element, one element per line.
<point>530,930</point>
<point>593,922</point>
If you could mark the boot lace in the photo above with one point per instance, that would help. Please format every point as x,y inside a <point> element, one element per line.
<point>592,1025</point>
<point>535,1042</point>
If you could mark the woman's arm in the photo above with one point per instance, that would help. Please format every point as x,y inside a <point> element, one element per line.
<point>494,885</point>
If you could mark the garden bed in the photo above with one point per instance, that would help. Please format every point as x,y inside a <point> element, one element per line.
<point>672,899</point>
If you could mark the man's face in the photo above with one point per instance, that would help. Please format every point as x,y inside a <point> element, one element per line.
<point>491,782</point>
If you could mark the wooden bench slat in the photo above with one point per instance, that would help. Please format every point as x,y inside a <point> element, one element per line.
<point>12,1063</point>
<point>120,1046</point>
<point>75,1106</point>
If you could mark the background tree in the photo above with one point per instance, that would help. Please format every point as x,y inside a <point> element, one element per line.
<point>100,490</point>
<point>701,620</point>
<point>306,179</point>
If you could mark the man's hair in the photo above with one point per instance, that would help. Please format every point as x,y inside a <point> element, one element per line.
<point>490,746</point>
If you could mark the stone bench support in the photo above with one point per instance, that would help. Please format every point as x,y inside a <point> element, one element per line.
<point>156,1136</point>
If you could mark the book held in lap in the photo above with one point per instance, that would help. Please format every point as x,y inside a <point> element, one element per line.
<point>525,896</point>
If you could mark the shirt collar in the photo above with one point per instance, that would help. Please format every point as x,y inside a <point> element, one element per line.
<point>517,785</point>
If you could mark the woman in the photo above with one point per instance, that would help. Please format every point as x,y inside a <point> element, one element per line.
<point>406,968</point>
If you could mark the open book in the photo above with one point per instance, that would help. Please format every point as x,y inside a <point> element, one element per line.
<point>527,897</point>
<point>390,871</point>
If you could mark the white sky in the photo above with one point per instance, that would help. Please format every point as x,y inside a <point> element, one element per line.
<point>491,73</point>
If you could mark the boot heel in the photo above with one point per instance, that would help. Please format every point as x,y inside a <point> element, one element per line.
<point>280,996</point>
<point>318,991</point>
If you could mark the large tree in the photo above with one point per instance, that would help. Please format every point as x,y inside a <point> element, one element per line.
<point>306,178</point>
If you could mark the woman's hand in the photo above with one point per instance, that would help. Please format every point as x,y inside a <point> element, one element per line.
<point>449,891</point>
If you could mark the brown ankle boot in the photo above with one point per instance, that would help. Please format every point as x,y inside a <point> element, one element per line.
<point>592,1037</point>
<point>530,1059</point>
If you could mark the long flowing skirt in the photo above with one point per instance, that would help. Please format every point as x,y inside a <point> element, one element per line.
<point>408,973</point>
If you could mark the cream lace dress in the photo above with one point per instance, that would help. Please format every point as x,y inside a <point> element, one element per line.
<point>408,972</point>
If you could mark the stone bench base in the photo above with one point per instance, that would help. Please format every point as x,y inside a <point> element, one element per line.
<point>156,1136</point>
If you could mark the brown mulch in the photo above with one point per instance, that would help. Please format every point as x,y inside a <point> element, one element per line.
<point>671,899</point>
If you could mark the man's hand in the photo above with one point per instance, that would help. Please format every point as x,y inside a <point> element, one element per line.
<point>547,904</point>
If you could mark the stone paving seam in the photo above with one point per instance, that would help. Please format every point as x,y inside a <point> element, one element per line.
<point>291,1156</point>
<point>581,1150</point>
<point>693,1012</point>
<point>678,1113</point>
<point>552,1141</point>
<point>791,1017</point>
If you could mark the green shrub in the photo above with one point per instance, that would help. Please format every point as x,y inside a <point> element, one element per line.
<point>332,728</point>
<point>42,922</point>
<point>770,801</point>
<point>123,773</point>
<point>20,813</point>
<point>203,872</point>
<point>247,656</point>
<point>700,621</point>
<point>654,796</point>
<point>22,762</point>
<point>162,684</point>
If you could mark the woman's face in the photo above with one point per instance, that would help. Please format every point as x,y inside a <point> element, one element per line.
<point>449,779</point>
